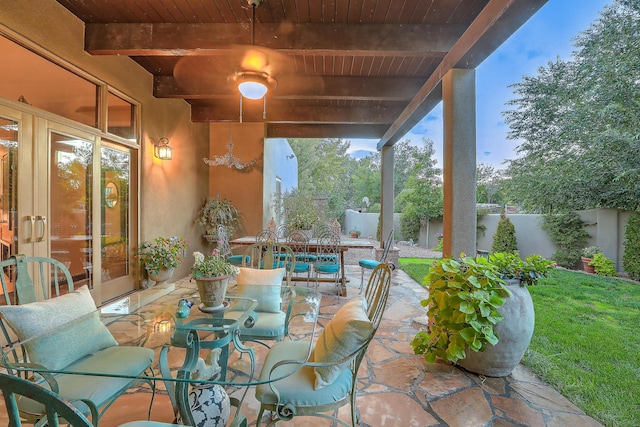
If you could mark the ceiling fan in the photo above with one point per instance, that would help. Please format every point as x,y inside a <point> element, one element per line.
<point>251,69</point>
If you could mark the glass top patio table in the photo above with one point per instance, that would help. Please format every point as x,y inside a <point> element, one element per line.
<point>179,342</point>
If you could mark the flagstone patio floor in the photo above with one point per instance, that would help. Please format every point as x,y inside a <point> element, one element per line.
<point>398,388</point>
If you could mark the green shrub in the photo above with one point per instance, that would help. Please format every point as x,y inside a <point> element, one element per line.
<point>567,233</point>
<point>505,238</point>
<point>631,257</point>
<point>410,223</point>
<point>602,265</point>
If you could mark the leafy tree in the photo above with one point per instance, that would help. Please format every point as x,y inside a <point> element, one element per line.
<point>489,183</point>
<point>577,121</point>
<point>567,232</point>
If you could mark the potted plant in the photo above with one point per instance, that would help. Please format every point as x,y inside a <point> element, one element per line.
<point>587,256</point>
<point>355,233</point>
<point>477,320</point>
<point>463,302</point>
<point>212,274</point>
<point>602,265</point>
<point>217,211</point>
<point>514,332</point>
<point>161,257</point>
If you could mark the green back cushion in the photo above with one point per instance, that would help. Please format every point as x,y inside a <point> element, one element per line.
<point>345,332</point>
<point>59,330</point>
<point>268,294</point>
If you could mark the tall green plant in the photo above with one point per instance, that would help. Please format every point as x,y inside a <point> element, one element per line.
<point>631,257</point>
<point>505,238</point>
<point>567,233</point>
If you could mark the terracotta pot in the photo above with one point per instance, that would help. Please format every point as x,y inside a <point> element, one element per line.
<point>514,332</point>
<point>161,277</point>
<point>212,290</point>
<point>587,268</point>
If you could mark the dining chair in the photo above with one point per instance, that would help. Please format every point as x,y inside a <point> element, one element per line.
<point>57,410</point>
<point>225,248</point>
<point>328,258</point>
<point>282,232</point>
<point>77,340</point>
<point>313,380</point>
<point>269,264</point>
<point>266,236</point>
<point>299,244</point>
<point>370,264</point>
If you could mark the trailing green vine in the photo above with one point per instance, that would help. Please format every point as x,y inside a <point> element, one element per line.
<point>567,232</point>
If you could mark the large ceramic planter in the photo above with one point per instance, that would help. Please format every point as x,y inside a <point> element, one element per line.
<point>212,291</point>
<point>514,332</point>
<point>210,405</point>
<point>587,268</point>
<point>161,276</point>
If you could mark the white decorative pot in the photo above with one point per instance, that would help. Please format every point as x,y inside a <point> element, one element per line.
<point>210,405</point>
<point>514,335</point>
<point>161,277</point>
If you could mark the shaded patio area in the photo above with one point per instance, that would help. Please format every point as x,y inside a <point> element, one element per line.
<point>398,388</point>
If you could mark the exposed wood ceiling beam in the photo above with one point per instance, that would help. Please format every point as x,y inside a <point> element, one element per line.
<point>281,130</point>
<point>339,88</point>
<point>496,11</point>
<point>149,39</point>
<point>283,112</point>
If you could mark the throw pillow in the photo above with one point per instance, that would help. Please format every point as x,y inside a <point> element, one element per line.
<point>263,286</point>
<point>61,330</point>
<point>345,332</point>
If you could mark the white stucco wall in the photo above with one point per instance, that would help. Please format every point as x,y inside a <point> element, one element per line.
<point>279,163</point>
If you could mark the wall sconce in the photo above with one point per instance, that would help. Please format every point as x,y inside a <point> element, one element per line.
<point>162,150</point>
<point>163,326</point>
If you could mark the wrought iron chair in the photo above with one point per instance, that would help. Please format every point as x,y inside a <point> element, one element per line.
<point>302,393</point>
<point>225,248</point>
<point>77,340</point>
<point>370,264</point>
<point>270,325</point>
<point>266,236</point>
<point>328,261</point>
<point>299,244</point>
<point>57,410</point>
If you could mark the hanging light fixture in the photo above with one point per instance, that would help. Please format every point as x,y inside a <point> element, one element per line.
<point>253,85</point>
<point>229,159</point>
<point>162,150</point>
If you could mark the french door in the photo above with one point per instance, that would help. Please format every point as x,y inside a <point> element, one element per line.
<point>65,193</point>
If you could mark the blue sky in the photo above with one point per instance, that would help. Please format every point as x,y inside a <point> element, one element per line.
<point>549,34</point>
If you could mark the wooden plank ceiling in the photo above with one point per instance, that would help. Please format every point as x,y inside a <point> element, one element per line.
<point>342,68</point>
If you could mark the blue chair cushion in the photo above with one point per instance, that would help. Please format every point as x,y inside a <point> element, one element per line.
<point>327,268</point>
<point>298,387</point>
<point>120,360</point>
<point>300,267</point>
<point>267,325</point>
<point>306,257</point>
<point>368,263</point>
<point>237,259</point>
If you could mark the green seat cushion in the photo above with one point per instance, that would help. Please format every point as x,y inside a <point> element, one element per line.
<point>368,263</point>
<point>267,325</point>
<point>298,387</point>
<point>120,360</point>
<point>60,330</point>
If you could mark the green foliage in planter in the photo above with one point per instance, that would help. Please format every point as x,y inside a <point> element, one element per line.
<point>602,265</point>
<point>164,253</point>
<point>590,251</point>
<point>528,271</point>
<point>567,233</point>
<point>631,257</point>
<point>505,238</point>
<point>218,211</point>
<point>463,302</point>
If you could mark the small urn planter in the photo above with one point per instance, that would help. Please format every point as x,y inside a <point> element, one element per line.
<point>212,292</point>
<point>515,332</point>
<point>587,268</point>
<point>161,276</point>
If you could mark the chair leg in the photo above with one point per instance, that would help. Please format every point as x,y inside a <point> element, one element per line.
<point>361,278</point>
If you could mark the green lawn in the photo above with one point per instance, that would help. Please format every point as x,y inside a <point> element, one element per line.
<point>586,342</point>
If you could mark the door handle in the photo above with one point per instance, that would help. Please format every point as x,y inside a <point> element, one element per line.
<point>43,220</point>
<point>31,220</point>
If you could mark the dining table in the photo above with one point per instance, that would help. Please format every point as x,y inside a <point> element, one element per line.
<point>182,339</point>
<point>346,243</point>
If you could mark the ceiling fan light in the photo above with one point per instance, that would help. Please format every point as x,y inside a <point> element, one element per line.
<point>252,89</point>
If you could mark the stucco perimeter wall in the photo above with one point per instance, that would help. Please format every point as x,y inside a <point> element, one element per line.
<point>280,170</point>
<point>367,224</point>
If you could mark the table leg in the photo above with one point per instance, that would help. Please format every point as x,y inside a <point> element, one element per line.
<point>343,278</point>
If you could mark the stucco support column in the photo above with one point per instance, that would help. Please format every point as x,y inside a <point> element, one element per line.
<point>386,192</point>
<point>459,117</point>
